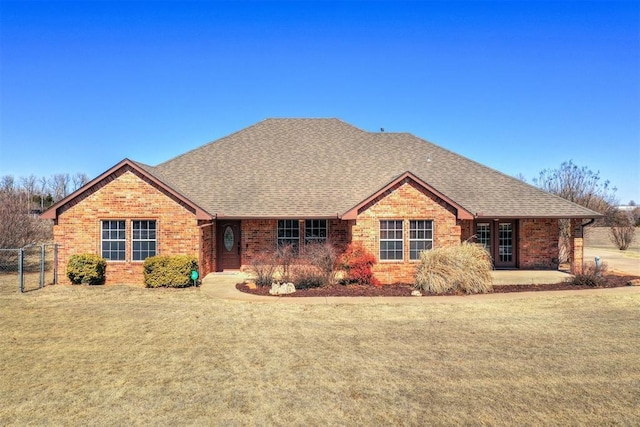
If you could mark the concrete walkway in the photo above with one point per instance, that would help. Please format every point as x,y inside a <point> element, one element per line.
<point>223,286</point>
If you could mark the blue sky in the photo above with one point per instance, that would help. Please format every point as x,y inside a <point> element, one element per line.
<point>518,86</point>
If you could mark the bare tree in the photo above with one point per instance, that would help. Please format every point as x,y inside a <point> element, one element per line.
<point>60,183</point>
<point>7,184</point>
<point>44,191</point>
<point>579,185</point>
<point>78,180</point>
<point>521,177</point>
<point>17,227</point>
<point>29,186</point>
<point>582,186</point>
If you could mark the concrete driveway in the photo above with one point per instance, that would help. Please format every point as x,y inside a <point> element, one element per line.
<point>619,261</point>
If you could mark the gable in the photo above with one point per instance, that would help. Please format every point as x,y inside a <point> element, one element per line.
<point>398,197</point>
<point>124,187</point>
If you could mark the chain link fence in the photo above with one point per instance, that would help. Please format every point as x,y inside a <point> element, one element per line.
<point>29,268</point>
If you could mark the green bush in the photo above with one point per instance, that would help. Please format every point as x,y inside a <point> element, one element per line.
<point>169,271</point>
<point>465,268</point>
<point>86,268</point>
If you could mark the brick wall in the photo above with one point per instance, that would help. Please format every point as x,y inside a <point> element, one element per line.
<point>538,243</point>
<point>124,195</point>
<point>467,231</point>
<point>576,247</point>
<point>207,260</point>
<point>260,235</point>
<point>404,201</point>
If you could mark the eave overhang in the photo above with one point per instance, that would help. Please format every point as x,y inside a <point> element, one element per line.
<point>53,211</point>
<point>481,216</point>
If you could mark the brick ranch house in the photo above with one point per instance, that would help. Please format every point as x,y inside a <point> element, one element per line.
<point>302,181</point>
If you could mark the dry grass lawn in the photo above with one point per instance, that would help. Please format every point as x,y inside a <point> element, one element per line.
<point>131,356</point>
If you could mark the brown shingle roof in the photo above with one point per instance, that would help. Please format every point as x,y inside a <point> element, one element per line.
<point>325,167</point>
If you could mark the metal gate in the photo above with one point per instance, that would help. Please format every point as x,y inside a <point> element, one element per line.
<point>29,268</point>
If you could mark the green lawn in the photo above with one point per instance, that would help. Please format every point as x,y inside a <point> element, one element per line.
<point>131,356</point>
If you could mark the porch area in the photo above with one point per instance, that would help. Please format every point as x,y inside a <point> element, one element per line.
<point>529,277</point>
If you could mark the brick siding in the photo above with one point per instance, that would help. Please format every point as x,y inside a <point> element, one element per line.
<point>124,195</point>
<point>260,235</point>
<point>127,195</point>
<point>404,201</point>
<point>538,244</point>
<point>207,260</point>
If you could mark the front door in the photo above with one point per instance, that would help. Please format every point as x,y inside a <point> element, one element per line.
<point>228,245</point>
<point>499,238</point>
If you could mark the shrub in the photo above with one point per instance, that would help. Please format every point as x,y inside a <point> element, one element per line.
<point>169,271</point>
<point>464,268</point>
<point>591,275</point>
<point>323,257</point>
<point>357,263</point>
<point>306,276</point>
<point>86,268</point>
<point>263,267</point>
<point>286,255</point>
<point>622,236</point>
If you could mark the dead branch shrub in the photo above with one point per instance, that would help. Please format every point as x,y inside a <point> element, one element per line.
<point>623,231</point>
<point>465,268</point>
<point>286,256</point>
<point>263,267</point>
<point>305,275</point>
<point>623,237</point>
<point>19,228</point>
<point>324,257</point>
<point>592,275</point>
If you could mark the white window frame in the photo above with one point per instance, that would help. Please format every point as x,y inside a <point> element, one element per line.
<point>386,237</point>
<point>112,240</point>
<point>420,237</point>
<point>150,232</point>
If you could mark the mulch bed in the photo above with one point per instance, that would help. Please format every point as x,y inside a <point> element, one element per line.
<point>404,290</point>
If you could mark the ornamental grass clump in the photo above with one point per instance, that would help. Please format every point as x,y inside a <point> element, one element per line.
<point>465,268</point>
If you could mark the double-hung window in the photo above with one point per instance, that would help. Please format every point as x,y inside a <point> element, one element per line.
<point>288,232</point>
<point>391,240</point>
<point>113,240</point>
<point>143,239</point>
<point>315,231</point>
<point>420,237</point>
